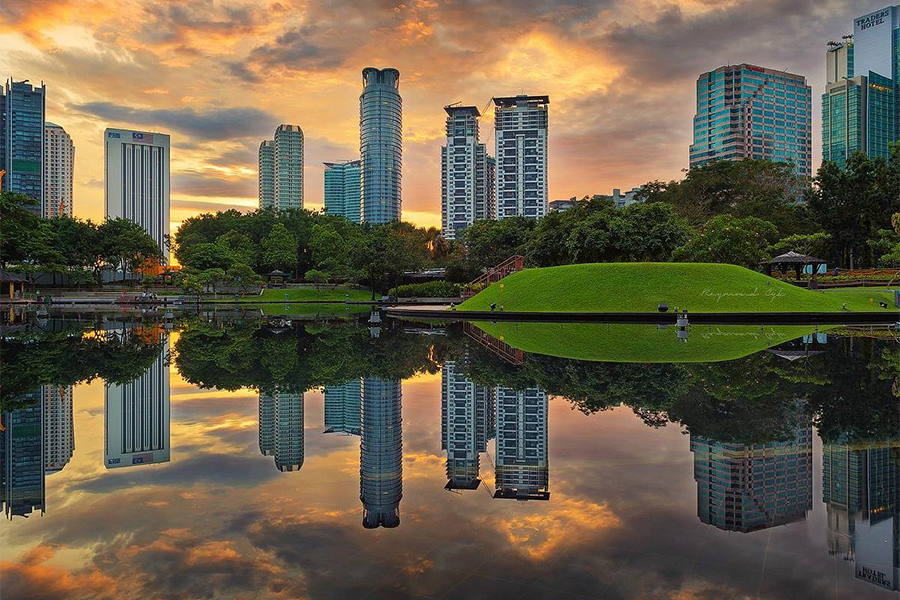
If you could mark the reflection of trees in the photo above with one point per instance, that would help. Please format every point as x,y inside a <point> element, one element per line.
<point>71,354</point>
<point>295,359</point>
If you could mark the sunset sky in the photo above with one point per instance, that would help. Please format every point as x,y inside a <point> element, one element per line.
<point>219,76</point>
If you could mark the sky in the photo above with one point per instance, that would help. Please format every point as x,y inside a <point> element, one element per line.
<point>219,76</point>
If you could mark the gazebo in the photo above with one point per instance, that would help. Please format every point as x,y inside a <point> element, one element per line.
<point>13,280</point>
<point>276,278</point>
<point>795,261</point>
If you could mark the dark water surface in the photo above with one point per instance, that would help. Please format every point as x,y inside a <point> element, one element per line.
<point>237,457</point>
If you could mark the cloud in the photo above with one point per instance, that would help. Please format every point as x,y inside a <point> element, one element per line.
<point>212,124</point>
<point>204,183</point>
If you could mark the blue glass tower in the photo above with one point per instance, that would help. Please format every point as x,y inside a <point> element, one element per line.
<point>380,144</point>
<point>22,110</point>
<point>381,453</point>
<point>343,195</point>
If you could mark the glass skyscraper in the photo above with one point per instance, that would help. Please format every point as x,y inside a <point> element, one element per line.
<point>342,407</point>
<point>22,110</point>
<point>861,103</point>
<point>343,196</point>
<point>380,144</point>
<point>381,453</point>
<point>520,137</point>
<point>745,111</point>
<point>281,433</point>
<point>467,182</point>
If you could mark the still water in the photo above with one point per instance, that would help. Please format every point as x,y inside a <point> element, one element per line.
<point>232,456</point>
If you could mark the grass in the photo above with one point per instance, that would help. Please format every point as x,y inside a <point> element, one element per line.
<point>641,287</point>
<point>641,343</point>
<point>321,310</point>
<point>310,294</point>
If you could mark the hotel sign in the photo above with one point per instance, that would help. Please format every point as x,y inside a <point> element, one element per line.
<point>873,20</point>
<point>875,576</point>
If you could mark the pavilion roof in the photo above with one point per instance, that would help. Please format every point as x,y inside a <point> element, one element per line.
<point>794,258</point>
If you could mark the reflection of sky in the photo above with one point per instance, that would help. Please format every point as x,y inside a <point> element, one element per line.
<point>220,521</point>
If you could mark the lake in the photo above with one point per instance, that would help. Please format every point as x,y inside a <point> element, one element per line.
<point>231,454</point>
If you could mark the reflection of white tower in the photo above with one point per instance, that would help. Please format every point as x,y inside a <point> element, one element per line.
<point>522,471</point>
<point>466,419</point>
<point>381,453</point>
<point>59,431</point>
<point>266,424</point>
<point>342,407</point>
<point>281,429</point>
<point>137,415</point>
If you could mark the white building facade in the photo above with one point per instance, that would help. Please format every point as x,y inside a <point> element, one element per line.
<point>467,186</point>
<point>59,172</point>
<point>520,133</point>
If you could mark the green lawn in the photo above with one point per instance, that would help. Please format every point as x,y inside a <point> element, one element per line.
<point>642,343</point>
<point>310,294</point>
<point>641,287</point>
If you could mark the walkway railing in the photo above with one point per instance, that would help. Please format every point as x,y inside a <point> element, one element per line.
<point>501,349</point>
<point>494,274</point>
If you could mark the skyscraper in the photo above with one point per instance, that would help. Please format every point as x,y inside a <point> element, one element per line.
<point>380,144</point>
<point>467,185</point>
<point>520,134</point>
<point>745,111</point>
<point>861,103</point>
<point>343,195</point>
<point>342,407</point>
<point>22,458</point>
<point>22,110</point>
<point>381,453</point>
<point>267,174</point>
<point>281,432</point>
<point>59,171</point>
<point>137,413</point>
<point>59,429</point>
<point>137,181</point>
<point>522,470</point>
<point>467,422</point>
<point>745,488</point>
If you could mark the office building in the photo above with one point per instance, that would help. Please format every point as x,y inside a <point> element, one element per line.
<point>342,407</point>
<point>520,135</point>
<point>22,117</point>
<point>628,198</point>
<point>861,103</point>
<point>467,186</point>
<point>343,194</point>
<point>137,181</point>
<point>746,488</point>
<point>59,428</point>
<point>522,470</point>
<point>281,433</point>
<point>745,111</point>
<point>22,458</point>
<point>466,425</point>
<point>380,145</point>
<point>59,171</point>
<point>266,174</point>
<point>861,492</point>
<point>381,453</point>
<point>267,424</point>
<point>137,413</point>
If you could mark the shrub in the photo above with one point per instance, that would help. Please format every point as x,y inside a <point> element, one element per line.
<point>430,289</point>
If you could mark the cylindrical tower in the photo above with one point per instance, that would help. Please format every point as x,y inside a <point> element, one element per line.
<point>381,453</point>
<point>380,144</point>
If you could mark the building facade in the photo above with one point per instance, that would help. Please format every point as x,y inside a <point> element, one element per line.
<point>861,103</point>
<point>266,174</point>
<point>343,191</point>
<point>59,172</point>
<point>522,470</point>
<point>745,488</point>
<point>467,186</point>
<point>22,119</point>
<point>381,453</point>
<point>281,433</point>
<point>467,416</point>
<point>520,137</point>
<point>59,428</point>
<point>137,181</point>
<point>22,485</point>
<point>137,414</point>
<point>745,111</point>
<point>343,404</point>
<point>381,145</point>
<point>288,158</point>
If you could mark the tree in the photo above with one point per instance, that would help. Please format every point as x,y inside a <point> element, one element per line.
<point>316,276</point>
<point>810,244</point>
<point>238,246</point>
<point>727,239</point>
<point>280,249</point>
<point>207,256</point>
<point>19,223</point>
<point>126,245</point>
<point>210,278</point>
<point>244,276</point>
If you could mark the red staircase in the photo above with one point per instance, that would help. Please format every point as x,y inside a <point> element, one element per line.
<point>493,275</point>
<point>501,349</point>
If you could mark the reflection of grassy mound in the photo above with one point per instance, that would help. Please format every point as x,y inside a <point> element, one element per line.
<point>311,294</point>
<point>323,310</point>
<point>641,343</point>
<point>641,287</point>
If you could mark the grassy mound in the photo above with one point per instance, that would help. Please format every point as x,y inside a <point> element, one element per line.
<point>641,287</point>
<point>641,343</point>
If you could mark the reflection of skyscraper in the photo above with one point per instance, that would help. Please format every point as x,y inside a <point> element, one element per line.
<point>522,470</point>
<point>744,487</point>
<point>281,429</point>
<point>342,407</point>
<point>861,491</point>
<point>137,416</point>
<point>466,411</point>
<point>381,453</point>
<point>59,430</point>
<point>22,458</point>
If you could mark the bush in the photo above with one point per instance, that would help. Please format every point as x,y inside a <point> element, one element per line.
<point>430,289</point>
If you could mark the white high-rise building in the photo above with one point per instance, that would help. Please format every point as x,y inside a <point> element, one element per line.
<point>467,423</point>
<point>520,133</point>
<point>137,181</point>
<point>267,174</point>
<point>522,469</point>
<point>467,183</point>
<point>281,169</point>
<point>59,171</point>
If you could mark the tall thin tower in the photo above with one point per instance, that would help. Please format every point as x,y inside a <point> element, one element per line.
<point>380,144</point>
